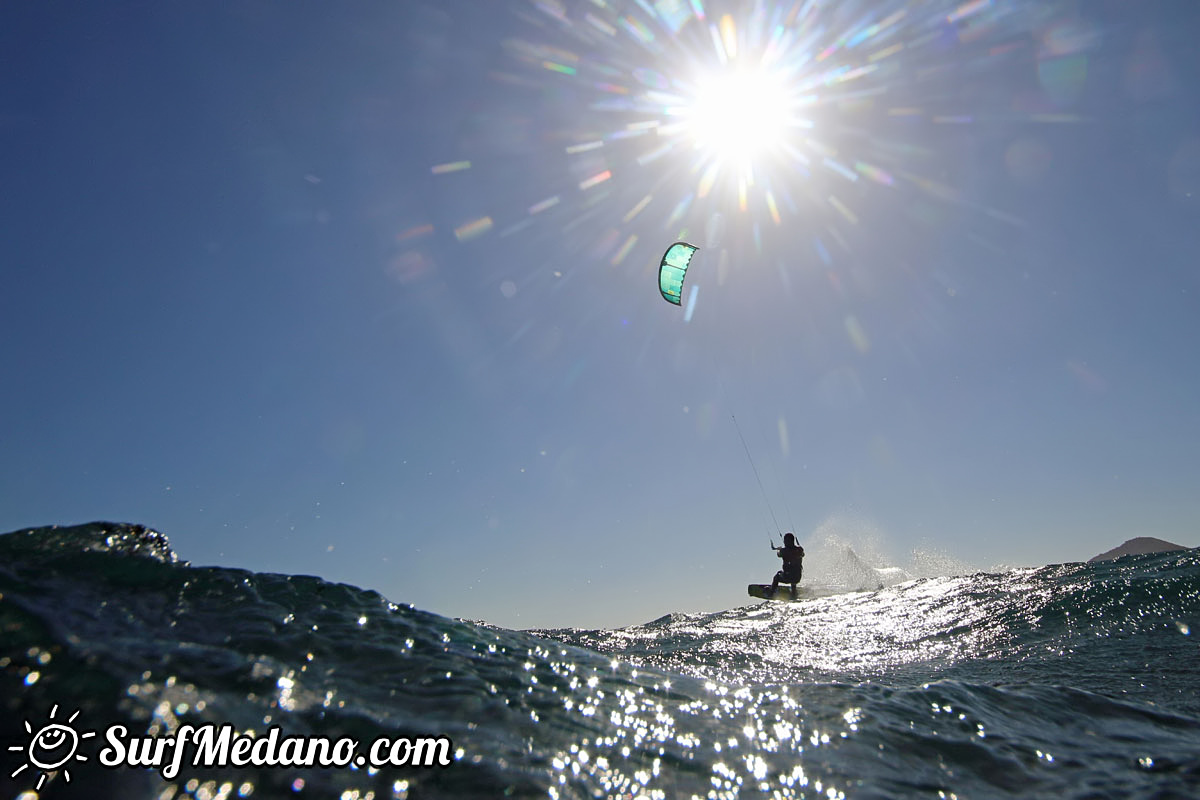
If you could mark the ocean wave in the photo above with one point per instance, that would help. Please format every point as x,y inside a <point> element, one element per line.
<point>1071,679</point>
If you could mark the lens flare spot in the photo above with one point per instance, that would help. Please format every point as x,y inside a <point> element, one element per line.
<point>595,180</point>
<point>729,36</point>
<point>541,206</point>
<point>858,336</point>
<point>471,230</point>
<point>624,249</point>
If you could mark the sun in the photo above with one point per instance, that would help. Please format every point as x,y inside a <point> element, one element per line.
<point>51,748</point>
<point>738,114</point>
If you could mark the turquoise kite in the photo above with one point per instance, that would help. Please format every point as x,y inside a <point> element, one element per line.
<point>671,270</point>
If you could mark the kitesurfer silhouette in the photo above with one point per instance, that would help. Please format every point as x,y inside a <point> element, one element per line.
<point>793,563</point>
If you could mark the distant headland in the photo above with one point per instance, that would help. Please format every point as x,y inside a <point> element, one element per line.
<point>1139,546</point>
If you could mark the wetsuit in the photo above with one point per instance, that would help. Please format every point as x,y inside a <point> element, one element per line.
<point>793,565</point>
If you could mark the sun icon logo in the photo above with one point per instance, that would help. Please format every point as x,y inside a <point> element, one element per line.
<point>51,748</point>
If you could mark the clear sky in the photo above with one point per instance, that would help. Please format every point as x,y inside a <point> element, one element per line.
<point>369,290</point>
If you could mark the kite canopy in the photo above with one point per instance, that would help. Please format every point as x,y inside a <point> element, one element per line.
<point>672,269</point>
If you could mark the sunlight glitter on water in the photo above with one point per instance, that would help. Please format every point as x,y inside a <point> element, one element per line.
<point>651,721</point>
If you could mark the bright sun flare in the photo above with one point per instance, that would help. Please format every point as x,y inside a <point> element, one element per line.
<point>739,114</point>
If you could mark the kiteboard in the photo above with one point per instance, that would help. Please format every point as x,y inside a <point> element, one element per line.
<point>763,592</point>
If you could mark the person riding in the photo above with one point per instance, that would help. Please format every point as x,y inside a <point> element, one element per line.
<point>793,563</point>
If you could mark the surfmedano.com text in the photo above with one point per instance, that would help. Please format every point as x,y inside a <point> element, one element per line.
<point>220,746</point>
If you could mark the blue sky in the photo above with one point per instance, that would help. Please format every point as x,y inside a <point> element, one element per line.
<point>369,291</point>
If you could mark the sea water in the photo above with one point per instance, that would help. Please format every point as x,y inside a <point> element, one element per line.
<point>1075,680</point>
